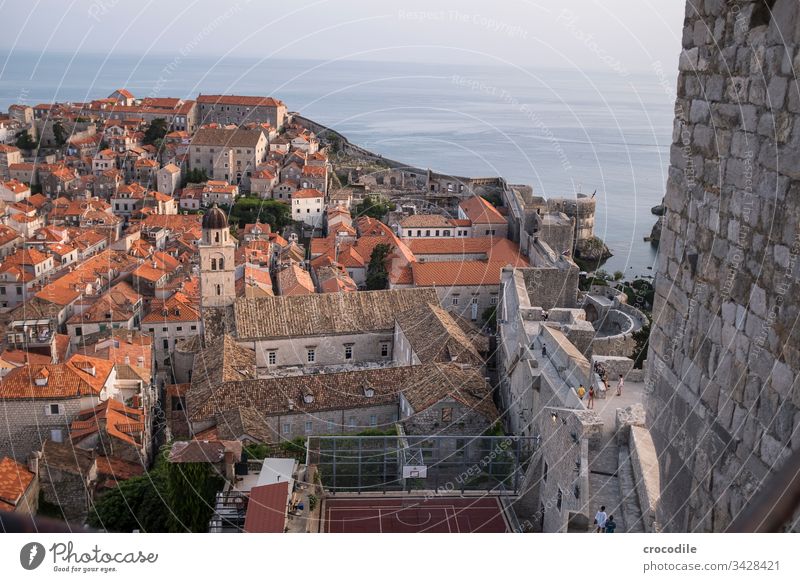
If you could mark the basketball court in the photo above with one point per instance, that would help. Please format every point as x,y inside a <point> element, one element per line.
<point>413,515</point>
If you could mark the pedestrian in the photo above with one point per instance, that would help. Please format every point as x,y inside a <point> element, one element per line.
<point>611,525</point>
<point>600,519</point>
<point>620,385</point>
<point>591,397</point>
<point>581,391</point>
<point>544,350</point>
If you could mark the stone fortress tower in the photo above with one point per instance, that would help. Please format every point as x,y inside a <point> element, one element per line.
<point>724,394</point>
<point>217,268</point>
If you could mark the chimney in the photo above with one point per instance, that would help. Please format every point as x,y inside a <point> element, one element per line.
<point>33,462</point>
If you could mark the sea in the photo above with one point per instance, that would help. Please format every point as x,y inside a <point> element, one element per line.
<point>602,133</point>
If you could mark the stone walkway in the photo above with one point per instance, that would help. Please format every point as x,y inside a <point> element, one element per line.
<point>611,480</point>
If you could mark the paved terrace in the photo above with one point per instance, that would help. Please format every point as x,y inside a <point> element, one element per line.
<point>611,480</point>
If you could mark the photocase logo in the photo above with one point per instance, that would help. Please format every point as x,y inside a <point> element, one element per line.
<point>31,555</point>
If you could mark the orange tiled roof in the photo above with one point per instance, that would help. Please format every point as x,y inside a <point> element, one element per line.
<point>456,273</point>
<point>119,421</point>
<point>307,193</point>
<point>179,307</point>
<point>79,376</point>
<point>15,479</point>
<point>480,211</point>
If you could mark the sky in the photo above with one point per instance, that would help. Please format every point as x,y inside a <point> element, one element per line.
<point>623,35</point>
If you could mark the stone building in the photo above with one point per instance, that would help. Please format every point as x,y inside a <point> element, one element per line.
<point>229,155</point>
<point>724,357</point>
<point>318,330</point>
<point>240,109</point>
<point>9,155</point>
<point>67,476</point>
<point>217,268</point>
<point>338,403</point>
<point>39,401</point>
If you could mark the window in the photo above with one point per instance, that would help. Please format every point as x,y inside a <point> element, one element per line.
<point>384,349</point>
<point>166,344</point>
<point>54,409</point>
<point>56,435</point>
<point>309,427</point>
<point>559,499</point>
<point>287,428</point>
<point>493,300</point>
<point>373,420</point>
<point>221,264</point>
<point>180,328</point>
<point>331,425</point>
<point>19,290</point>
<point>474,300</point>
<point>78,331</point>
<point>219,289</point>
<point>544,471</point>
<point>454,300</point>
<point>311,356</point>
<point>447,415</point>
<point>193,328</point>
<point>213,264</point>
<point>437,233</point>
<point>352,422</point>
<point>348,352</point>
<point>272,357</point>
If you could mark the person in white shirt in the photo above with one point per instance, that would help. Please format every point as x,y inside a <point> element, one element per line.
<point>600,519</point>
<point>620,385</point>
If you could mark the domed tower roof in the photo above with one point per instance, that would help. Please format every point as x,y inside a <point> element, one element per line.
<point>215,219</point>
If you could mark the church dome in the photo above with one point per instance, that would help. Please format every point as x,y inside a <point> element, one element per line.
<point>215,219</point>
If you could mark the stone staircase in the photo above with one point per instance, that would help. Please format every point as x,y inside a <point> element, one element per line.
<point>611,483</point>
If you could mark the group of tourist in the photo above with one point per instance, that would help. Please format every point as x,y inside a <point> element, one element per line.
<point>600,371</point>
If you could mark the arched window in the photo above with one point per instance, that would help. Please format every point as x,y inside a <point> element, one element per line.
<point>221,264</point>
<point>219,289</point>
<point>213,264</point>
<point>216,237</point>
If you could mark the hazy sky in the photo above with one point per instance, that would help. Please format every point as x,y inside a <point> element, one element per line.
<point>625,35</point>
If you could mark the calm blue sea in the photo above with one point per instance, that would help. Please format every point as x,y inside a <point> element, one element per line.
<point>560,131</point>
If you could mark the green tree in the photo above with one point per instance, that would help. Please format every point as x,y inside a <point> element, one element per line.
<point>247,210</point>
<point>137,503</point>
<point>191,491</point>
<point>377,275</point>
<point>25,141</point>
<point>489,317</point>
<point>195,176</point>
<point>642,338</point>
<point>373,207</point>
<point>493,198</point>
<point>156,131</point>
<point>59,133</point>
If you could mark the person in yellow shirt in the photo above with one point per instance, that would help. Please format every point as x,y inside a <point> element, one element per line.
<point>581,391</point>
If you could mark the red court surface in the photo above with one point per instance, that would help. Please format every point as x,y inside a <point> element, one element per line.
<point>412,515</point>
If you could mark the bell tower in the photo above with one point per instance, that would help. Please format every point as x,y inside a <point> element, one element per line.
<point>217,269</point>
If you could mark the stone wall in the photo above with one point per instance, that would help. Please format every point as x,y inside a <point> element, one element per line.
<point>558,474</point>
<point>463,420</point>
<point>724,399</point>
<point>27,425</point>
